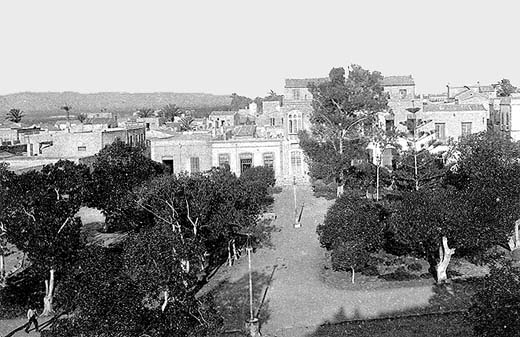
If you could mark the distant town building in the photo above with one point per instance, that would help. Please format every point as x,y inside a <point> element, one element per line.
<point>506,117</point>
<point>401,92</point>
<point>64,144</point>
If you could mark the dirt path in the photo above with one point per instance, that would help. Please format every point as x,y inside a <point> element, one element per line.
<point>297,301</point>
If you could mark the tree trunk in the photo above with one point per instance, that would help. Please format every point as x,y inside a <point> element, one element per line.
<point>339,188</point>
<point>2,268</point>
<point>514,241</point>
<point>49,294</point>
<point>377,182</point>
<point>445,254</point>
<point>353,274</point>
<point>165,303</point>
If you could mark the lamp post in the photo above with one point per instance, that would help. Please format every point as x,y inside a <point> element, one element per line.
<point>252,324</point>
<point>414,110</point>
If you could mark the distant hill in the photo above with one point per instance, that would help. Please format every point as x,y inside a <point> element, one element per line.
<point>33,103</point>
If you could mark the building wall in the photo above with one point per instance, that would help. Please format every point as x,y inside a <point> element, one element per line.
<point>256,147</point>
<point>453,121</point>
<point>8,135</point>
<point>515,119</point>
<point>395,92</point>
<point>180,149</point>
<point>65,144</point>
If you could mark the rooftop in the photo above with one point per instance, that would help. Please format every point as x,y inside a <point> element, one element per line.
<point>453,107</point>
<point>398,80</point>
<point>304,82</point>
<point>245,130</point>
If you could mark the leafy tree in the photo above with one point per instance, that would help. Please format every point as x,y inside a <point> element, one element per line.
<point>145,112</point>
<point>213,206</point>
<point>6,178</point>
<point>350,255</point>
<point>117,170</point>
<point>239,102</point>
<point>382,139</point>
<point>81,118</point>
<point>418,170</point>
<point>260,179</point>
<point>15,115</point>
<point>41,221</point>
<point>496,303</point>
<point>353,219</point>
<point>505,88</point>
<point>170,111</point>
<point>110,298</point>
<point>343,107</point>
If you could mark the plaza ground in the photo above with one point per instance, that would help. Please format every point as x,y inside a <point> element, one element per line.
<point>292,297</point>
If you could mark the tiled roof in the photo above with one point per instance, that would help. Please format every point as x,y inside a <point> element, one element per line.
<point>222,113</point>
<point>453,107</point>
<point>398,80</point>
<point>245,130</point>
<point>304,82</point>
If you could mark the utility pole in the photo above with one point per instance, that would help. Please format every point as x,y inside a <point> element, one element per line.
<point>252,324</point>
<point>296,218</point>
<point>414,111</point>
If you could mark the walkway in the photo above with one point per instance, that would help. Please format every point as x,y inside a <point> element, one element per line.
<point>297,300</point>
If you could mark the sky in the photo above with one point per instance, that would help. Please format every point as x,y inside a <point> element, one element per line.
<point>250,47</point>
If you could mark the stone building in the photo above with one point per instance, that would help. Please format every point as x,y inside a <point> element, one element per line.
<point>505,116</point>
<point>454,120</point>
<point>401,92</point>
<point>64,144</point>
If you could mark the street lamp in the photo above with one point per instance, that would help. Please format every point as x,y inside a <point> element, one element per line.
<point>414,110</point>
<point>252,324</point>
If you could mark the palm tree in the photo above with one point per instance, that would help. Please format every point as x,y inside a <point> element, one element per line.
<point>145,112</point>
<point>185,123</point>
<point>170,111</point>
<point>67,109</point>
<point>81,118</point>
<point>15,115</point>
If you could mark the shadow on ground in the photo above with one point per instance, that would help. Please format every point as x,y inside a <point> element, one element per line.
<point>444,316</point>
<point>232,300</point>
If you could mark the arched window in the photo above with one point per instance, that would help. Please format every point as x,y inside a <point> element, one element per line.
<point>295,122</point>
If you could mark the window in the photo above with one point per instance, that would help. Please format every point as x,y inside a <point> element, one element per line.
<point>82,148</point>
<point>223,160</point>
<point>272,121</point>
<point>466,129</point>
<point>295,122</point>
<point>269,159</point>
<point>402,93</point>
<point>169,165</point>
<point>296,162</point>
<point>440,131</point>
<point>296,94</point>
<point>194,165</point>
<point>246,161</point>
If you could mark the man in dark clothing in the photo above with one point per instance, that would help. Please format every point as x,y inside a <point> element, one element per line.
<point>31,317</point>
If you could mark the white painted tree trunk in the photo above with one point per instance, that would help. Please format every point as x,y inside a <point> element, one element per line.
<point>165,303</point>
<point>353,274</point>
<point>377,182</point>
<point>514,241</point>
<point>49,294</point>
<point>2,268</point>
<point>445,254</point>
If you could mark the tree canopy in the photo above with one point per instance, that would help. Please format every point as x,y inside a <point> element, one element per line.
<point>117,170</point>
<point>505,88</point>
<point>343,109</point>
<point>15,115</point>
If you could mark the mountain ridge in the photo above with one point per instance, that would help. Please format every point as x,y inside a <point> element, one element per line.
<point>34,102</point>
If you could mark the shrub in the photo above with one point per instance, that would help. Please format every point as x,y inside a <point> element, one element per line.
<point>415,266</point>
<point>349,255</point>
<point>369,270</point>
<point>496,303</point>
<point>400,274</point>
<point>352,219</point>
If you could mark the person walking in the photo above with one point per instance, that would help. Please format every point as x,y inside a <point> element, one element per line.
<point>31,317</point>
